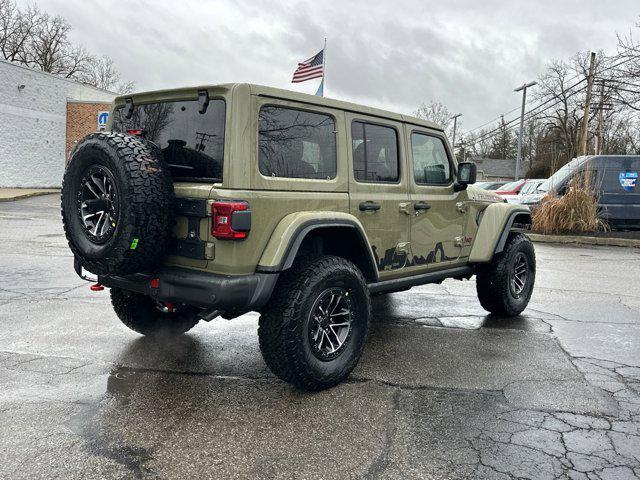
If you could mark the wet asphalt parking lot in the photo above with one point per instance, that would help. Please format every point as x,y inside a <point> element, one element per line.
<point>442,391</point>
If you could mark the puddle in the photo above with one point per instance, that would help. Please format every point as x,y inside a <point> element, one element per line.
<point>463,322</point>
<point>475,322</point>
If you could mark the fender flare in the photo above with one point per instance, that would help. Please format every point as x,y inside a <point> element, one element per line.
<point>508,228</point>
<point>495,225</point>
<point>285,241</point>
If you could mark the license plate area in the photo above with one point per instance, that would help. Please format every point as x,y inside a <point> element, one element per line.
<point>192,246</point>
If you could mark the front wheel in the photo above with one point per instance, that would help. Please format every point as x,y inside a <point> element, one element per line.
<point>505,285</point>
<point>314,328</point>
<point>144,315</point>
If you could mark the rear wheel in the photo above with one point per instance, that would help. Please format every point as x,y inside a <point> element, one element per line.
<point>505,285</point>
<point>144,315</point>
<point>313,330</point>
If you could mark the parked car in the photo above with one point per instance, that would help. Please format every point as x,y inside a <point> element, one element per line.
<point>530,186</point>
<point>615,180</point>
<point>490,185</point>
<point>510,189</point>
<point>226,199</point>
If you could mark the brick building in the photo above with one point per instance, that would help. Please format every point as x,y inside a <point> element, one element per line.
<point>41,118</point>
<point>82,118</point>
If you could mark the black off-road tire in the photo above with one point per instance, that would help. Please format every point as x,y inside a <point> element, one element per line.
<point>493,280</point>
<point>143,201</point>
<point>283,328</point>
<point>143,315</point>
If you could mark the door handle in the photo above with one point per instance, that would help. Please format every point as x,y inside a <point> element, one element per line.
<point>421,206</point>
<point>404,207</point>
<point>369,205</point>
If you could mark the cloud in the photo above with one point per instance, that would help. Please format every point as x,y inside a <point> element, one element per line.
<point>466,54</point>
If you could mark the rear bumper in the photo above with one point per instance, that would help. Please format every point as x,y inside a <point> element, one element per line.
<point>228,293</point>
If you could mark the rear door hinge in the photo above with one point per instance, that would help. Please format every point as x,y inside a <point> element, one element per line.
<point>463,241</point>
<point>404,207</point>
<point>403,247</point>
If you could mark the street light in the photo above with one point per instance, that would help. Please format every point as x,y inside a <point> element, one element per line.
<point>524,99</point>
<point>455,124</point>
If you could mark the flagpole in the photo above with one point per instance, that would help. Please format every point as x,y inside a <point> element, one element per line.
<point>324,67</point>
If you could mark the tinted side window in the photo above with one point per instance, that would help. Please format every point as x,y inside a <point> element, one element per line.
<point>296,144</point>
<point>375,153</point>
<point>192,143</point>
<point>430,161</point>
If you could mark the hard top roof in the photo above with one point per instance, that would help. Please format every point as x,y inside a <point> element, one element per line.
<point>289,95</point>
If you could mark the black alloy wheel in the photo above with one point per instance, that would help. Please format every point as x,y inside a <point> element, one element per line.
<point>330,323</point>
<point>98,203</point>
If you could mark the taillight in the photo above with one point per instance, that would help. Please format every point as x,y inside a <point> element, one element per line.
<point>231,219</point>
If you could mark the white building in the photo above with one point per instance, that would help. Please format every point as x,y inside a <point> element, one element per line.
<point>34,128</point>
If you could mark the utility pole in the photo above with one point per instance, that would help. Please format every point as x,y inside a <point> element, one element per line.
<point>600,120</point>
<point>455,124</point>
<point>524,100</point>
<point>463,144</point>
<point>585,119</point>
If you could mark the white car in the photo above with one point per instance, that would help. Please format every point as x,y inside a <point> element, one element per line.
<point>529,188</point>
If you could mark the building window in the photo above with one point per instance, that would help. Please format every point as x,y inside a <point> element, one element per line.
<point>375,153</point>
<point>296,144</point>
<point>430,161</point>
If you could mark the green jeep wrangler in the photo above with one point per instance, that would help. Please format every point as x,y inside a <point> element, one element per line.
<point>220,200</point>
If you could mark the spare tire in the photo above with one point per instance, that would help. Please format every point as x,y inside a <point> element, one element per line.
<point>117,204</point>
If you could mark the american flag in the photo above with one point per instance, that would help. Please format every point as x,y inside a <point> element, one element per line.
<point>311,68</point>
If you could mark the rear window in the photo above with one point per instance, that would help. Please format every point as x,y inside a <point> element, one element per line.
<point>192,143</point>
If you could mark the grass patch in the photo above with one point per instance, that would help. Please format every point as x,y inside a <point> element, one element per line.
<point>574,212</point>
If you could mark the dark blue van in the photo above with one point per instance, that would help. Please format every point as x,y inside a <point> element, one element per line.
<point>616,180</point>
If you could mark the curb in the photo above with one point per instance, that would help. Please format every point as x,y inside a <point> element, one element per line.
<point>580,240</point>
<point>21,196</point>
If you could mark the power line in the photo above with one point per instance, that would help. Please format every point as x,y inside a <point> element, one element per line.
<point>607,68</point>
<point>534,108</point>
<point>618,82</point>
<point>579,74</point>
<point>627,90</point>
<point>494,119</point>
<point>512,123</point>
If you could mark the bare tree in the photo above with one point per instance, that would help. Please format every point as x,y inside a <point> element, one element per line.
<point>101,72</point>
<point>38,40</point>
<point>16,30</point>
<point>478,143</point>
<point>626,72</point>
<point>51,51</point>
<point>438,113</point>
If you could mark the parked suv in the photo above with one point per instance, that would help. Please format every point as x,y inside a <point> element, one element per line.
<point>217,201</point>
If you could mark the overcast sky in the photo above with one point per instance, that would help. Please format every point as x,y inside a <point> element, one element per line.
<point>467,54</point>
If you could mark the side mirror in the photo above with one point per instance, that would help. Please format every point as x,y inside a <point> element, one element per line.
<point>466,175</point>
